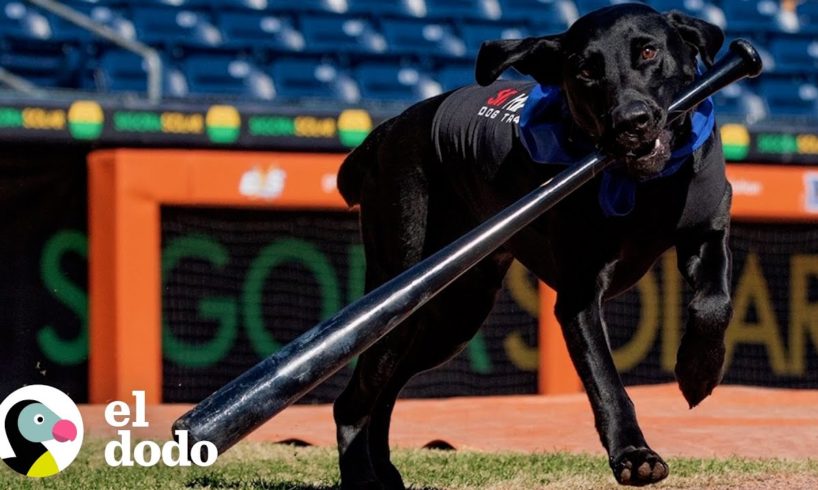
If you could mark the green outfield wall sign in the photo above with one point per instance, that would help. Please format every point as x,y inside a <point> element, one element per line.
<point>183,125</point>
<point>191,124</point>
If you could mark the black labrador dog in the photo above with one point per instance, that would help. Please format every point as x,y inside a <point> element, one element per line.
<point>429,175</point>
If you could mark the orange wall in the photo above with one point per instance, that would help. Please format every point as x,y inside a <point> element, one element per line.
<point>127,188</point>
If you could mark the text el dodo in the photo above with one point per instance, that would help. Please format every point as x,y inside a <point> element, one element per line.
<point>148,453</point>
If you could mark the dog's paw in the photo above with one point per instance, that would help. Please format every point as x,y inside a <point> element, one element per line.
<point>638,466</point>
<point>699,367</point>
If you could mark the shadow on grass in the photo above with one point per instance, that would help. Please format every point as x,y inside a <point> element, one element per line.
<point>260,484</point>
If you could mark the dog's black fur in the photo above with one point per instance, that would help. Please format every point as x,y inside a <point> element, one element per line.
<point>619,67</point>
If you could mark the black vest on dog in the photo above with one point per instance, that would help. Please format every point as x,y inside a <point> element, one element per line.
<point>481,126</point>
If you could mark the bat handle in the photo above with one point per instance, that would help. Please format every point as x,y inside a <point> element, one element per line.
<point>742,61</point>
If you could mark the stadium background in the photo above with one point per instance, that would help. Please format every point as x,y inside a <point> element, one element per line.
<point>316,76</point>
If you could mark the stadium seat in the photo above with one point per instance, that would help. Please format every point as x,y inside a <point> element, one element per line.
<point>585,6</point>
<point>555,12</point>
<point>454,76</point>
<point>318,6</point>
<point>807,15</point>
<point>786,97</point>
<point>43,63</point>
<point>409,36</point>
<point>393,8</point>
<point>387,81</point>
<point>737,102</point>
<point>751,15</point>
<point>221,74</point>
<point>248,5</point>
<point>795,54</point>
<point>172,26</point>
<point>324,34</point>
<point>113,18</point>
<point>254,30</point>
<point>307,78</point>
<point>18,20</point>
<point>123,71</point>
<point>485,10</point>
<point>698,8</point>
<point>474,34</point>
<point>166,3</point>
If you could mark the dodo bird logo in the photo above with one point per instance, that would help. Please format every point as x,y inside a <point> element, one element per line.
<point>41,431</point>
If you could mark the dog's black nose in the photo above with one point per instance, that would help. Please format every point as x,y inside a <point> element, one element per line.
<point>631,117</point>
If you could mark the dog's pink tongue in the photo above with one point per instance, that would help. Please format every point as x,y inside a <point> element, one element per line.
<point>64,430</point>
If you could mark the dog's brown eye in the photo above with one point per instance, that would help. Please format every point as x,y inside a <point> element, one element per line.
<point>648,53</point>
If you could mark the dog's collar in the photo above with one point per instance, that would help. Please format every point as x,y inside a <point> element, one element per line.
<point>543,133</point>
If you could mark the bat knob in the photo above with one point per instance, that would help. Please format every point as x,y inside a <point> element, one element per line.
<point>750,56</point>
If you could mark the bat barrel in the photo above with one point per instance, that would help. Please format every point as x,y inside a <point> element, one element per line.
<point>276,382</point>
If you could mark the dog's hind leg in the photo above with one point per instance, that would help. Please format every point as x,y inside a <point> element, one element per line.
<point>403,220</point>
<point>704,260</point>
<point>394,209</point>
<point>436,333</point>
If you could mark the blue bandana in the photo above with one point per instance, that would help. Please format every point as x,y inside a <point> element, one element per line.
<point>543,135</point>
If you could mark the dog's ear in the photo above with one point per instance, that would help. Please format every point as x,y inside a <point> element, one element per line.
<point>535,56</point>
<point>703,36</point>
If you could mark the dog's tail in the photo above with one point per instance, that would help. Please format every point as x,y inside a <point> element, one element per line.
<point>353,171</point>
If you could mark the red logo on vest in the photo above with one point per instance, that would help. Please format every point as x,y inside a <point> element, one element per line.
<point>501,97</point>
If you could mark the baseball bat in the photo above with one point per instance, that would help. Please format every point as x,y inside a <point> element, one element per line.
<point>276,382</point>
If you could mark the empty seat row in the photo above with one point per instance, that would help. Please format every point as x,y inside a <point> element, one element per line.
<point>486,10</point>
<point>287,78</point>
<point>299,78</point>
<point>315,33</point>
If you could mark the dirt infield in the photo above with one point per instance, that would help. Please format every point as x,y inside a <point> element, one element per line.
<point>735,421</point>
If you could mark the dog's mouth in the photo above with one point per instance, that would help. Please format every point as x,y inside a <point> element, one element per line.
<point>647,156</point>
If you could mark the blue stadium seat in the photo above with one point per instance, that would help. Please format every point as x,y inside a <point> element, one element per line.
<point>256,30</point>
<point>387,81</point>
<point>463,9</point>
<point>221,74</point>
<point>692,7</point>
<point>319,6</point>
<point>795,54</point>
<point>380,8</point>
<point>43,63</point>
<point>249,5</point>
<point>185,4</point>
<point>307,78</point>
<point>751,15</point>
<point>323,34</point>
<point>554,12</point>
<point>18,20</point>
<point>807,14</point>
<point>738,102</point>
<point>455,75</point>
<point>409,36</point>
<point>586,6</point>
<point>116,19</point>
<point>122,71</point>
<point>786,97</point>
<point>702,9</point>
<point>174,26</point>
<point>474,34</point>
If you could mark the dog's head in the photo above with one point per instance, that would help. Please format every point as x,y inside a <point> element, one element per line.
<point>620,68</point>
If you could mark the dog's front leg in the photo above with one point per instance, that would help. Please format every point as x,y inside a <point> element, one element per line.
<point>579,311</point>
<point>704,260</point>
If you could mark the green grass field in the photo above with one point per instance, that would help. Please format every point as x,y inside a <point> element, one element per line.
<point>268,466</point>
